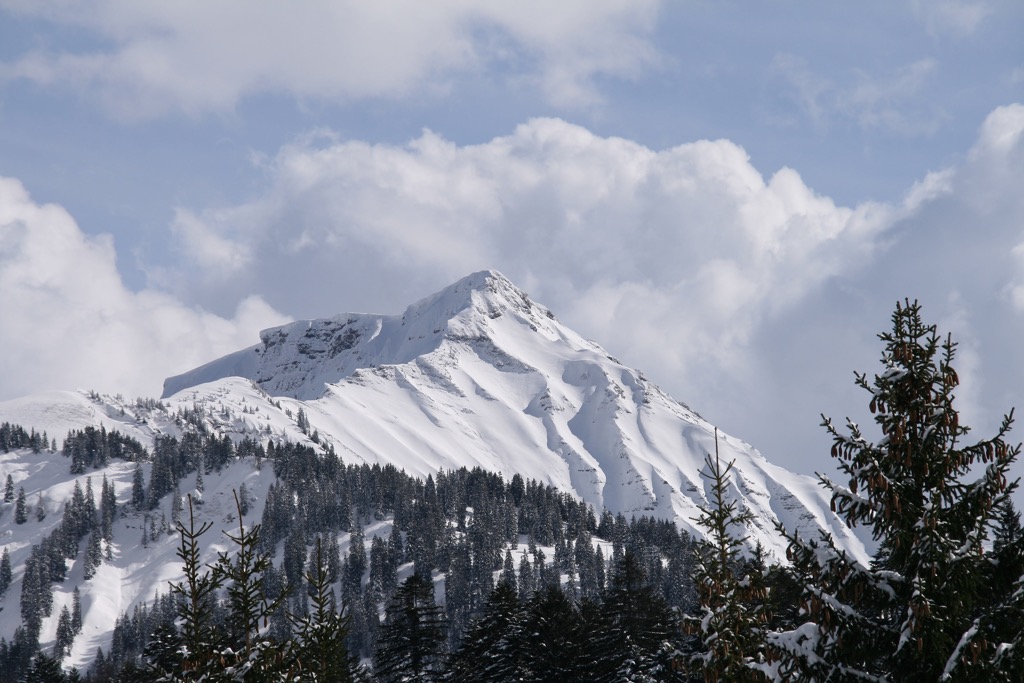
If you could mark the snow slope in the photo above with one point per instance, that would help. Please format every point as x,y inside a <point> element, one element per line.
<point>475,375</point>
<point>479,375</point>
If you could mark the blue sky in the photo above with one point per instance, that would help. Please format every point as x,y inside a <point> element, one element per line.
<point>730,196</point>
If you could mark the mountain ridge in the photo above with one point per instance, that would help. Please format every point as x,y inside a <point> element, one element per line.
<point>477,374</point>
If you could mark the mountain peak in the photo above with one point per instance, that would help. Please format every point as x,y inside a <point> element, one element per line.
<point>486,292</point>
<point>300,358</point>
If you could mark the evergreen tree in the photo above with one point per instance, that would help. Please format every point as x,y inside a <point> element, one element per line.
<point>9,489</point>
<point>45,669</point>
<point>732,619</point>
<point>550,648</point>
<point>322,652</point>
<point>921,610</point>
<point>200,638</point>
<point>93,555</point>
<point>5,571</point>
<point>243,574</point>
<point>490,650</point>
<point>411,642</point>
<point>20,509</point>
<point>65,635</point>
<point>138,488</point>
<point>1008,529</point>
<point>640,627</point>
<point>76,611</point>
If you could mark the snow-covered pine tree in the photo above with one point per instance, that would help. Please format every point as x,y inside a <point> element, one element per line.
<point>732,616</point>
<point>921,610</point>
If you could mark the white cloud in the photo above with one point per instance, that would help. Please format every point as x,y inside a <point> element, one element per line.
<point>883,102</point>
<point>197,57</point>
<point>673,256</point>
<point>69,321</point>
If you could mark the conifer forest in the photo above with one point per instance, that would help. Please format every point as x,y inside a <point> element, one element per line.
<point>364,573</point>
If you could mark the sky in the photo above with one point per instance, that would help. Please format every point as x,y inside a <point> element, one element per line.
<point>729,196</point>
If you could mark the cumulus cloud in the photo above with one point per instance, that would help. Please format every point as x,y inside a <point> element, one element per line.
<point>673,256</point>
<point>69,321</point>
<point>199,57</point>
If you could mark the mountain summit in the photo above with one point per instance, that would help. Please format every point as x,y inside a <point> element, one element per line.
<point>479,375</point>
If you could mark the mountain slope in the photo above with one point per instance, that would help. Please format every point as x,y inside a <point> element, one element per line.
<point>479,375</point>
<point>475,375</point>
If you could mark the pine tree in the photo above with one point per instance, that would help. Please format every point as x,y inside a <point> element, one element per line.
<point>76,611</point>
<point>65,635</point>
<point>732,619</point>
<point>1008,528</point>
<point>638,625</point>
<point>138,488</point>
<point>200,637</point>
<point>20,509</point>
<point>243,574</point>
<point>490,650</point>
<point>9,489</point>
<point>322,651</point>
<point>93,555</point>
<point>411,641</point>
<point>921,610</point>
<point>45,669</point>
<point>5,571</point>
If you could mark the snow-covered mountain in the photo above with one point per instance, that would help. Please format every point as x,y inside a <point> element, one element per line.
<point>479,375</point>
<point>474,375</point>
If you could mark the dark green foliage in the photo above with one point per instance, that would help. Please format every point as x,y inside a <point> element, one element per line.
<point>138,500</point>
<point>20,508</point>
<point>641,630</point>
<point>15,436</point>
<point>411,642</point>
<point>5,572</point>
<point>731,622</point>
<point>197,593</point>
<point>926,609</point>
<point>92,447</point>
<point>45,669</point>
<point>491,648</point>
<point>322,653</point>
<point>65,635</point>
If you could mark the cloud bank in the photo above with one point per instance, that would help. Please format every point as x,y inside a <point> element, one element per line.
<point>673,256</point>
<point>749,295</point>
<point>151,59</point>
<point>68,321</point>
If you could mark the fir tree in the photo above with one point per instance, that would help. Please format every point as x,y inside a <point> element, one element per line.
<point>921,610</point>
<point>732,619</point>
<point>5,571</point>
<point>65,634</point>
<point>9,489</point>
<point>322,635</point>
<point>20,508</point>
<point>76,611</point>
<point>200,638</point>
<point>45,669</point>
<point>138,499</point>
<point>491,651</point>
<point>411,641</point>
